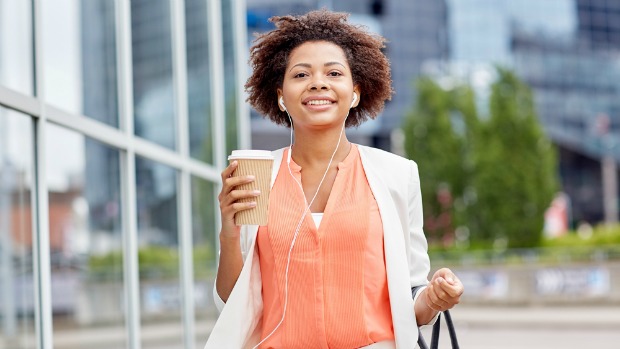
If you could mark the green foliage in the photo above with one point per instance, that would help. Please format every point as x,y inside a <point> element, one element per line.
<point>601,235</point>
<point>499,171</point>
<point>154,262</point>
<point>515,167</point>
<point>437,137</point>
<point>106,267</point>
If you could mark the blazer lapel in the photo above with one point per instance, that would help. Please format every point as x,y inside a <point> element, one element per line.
<point>399,288</point>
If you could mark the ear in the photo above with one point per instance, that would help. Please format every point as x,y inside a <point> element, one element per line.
<point>357,91</point>
<point>282,108</point>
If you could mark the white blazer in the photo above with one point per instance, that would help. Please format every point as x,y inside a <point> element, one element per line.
<point>395,184</point>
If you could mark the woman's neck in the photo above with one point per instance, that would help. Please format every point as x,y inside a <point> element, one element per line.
<point>316,148</point>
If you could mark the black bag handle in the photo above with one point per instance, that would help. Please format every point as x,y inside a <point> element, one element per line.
<point>437,328</point>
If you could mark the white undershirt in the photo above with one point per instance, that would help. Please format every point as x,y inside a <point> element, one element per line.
<point>317,217</point>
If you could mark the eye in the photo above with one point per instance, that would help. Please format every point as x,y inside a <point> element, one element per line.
<point>300,75</point>
<point>334,73</point>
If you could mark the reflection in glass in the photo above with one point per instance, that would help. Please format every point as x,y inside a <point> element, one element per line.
<point>83,179</point>
<point>198,80</point>
<point>80,57</point>
<point>152,71</point>
<point>158,255</point>
<point>15,45</point>
<point>230,75</point>
<point>204,235</point>
<point>17,329</point>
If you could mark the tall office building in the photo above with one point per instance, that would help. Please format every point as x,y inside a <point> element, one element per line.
<point>599,23</point>
<point>575,79</point>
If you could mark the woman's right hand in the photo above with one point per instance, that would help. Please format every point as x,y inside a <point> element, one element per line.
<point>228,198</point>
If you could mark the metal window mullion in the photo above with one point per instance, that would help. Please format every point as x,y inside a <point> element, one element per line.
<point>122,140</point>
<point>244,136</point>
<point>20,102</point>
<point>179,68</point>
<point>186,257</point>
<point>128,174</point>
<point>216,69</point>
<point>40,218</point>
<point>88,127</point>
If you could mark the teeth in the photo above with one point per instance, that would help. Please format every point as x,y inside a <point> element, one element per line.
<point>319,102</point>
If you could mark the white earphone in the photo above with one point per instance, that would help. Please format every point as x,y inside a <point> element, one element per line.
<point>306,209</point>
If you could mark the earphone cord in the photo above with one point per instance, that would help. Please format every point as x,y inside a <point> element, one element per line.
<point>288,260</point>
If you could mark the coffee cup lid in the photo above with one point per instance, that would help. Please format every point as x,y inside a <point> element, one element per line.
<point>251,154</point>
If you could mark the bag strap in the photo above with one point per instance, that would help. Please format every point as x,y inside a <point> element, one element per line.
<point>436,329</point>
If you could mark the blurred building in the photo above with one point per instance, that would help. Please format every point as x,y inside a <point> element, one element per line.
<point>599,23</point>
<point>566,50</point>
<point>576,84</point>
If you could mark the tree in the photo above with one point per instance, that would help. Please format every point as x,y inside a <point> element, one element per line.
<point>494,176</point>
<point>515,168</point>
<point>436,136</point>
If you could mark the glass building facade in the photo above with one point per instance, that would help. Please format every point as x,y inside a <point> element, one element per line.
<point>115,121</point>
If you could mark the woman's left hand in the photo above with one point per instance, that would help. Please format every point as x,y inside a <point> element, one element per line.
<point>444,291</point>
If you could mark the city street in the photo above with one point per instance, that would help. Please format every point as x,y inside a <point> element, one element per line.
<point>535,338</point>
<point>535,328</point>
<point>477,328</point>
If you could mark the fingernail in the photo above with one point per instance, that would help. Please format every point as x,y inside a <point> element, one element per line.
<point>252,204</point>
<point>439,280</point>
<point>256,192</point>
<point>450,280</point>
<point>250,178</point>
<point>234,163</point>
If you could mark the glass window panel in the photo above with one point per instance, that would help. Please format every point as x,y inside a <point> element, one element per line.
<point>158,254</point>
<point>204,235</point>
<point>230,75</point>
<point>85,230</point>
<point>15,45</point>
<point>17,326</point>
<point>152,71</point>
<point>198,80</point>
<point>80,57</point>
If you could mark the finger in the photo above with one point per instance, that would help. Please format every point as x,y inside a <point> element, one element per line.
<point>434,299</point>
<point>443,273</point>
<point>228,171</point>
<point>232,182</point>
<point>452,290</point>
<point>449,300</point>
<point>236,195</point>
<point>242,194</point>
<point>229,211</point>
<point>241,206</point>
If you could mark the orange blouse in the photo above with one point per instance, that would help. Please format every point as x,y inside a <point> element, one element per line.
<point>337,283</point>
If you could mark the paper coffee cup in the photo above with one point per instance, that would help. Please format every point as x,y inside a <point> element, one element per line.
<point>258,163</point>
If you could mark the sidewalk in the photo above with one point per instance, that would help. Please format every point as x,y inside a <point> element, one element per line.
<point>464,316</point>
<point>566,317</point>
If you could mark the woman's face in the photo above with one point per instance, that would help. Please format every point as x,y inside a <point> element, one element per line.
<point>318,86</point>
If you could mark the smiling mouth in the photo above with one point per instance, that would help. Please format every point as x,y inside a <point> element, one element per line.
<point>319,102</point>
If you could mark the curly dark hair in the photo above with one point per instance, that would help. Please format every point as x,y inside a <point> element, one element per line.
<point>370,68</point>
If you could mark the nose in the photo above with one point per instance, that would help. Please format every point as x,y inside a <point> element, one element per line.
<point>318,84</point>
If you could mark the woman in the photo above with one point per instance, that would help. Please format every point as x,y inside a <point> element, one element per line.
<point>344,248</point>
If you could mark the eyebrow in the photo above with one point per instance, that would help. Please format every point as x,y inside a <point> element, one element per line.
<point>307,65</point>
